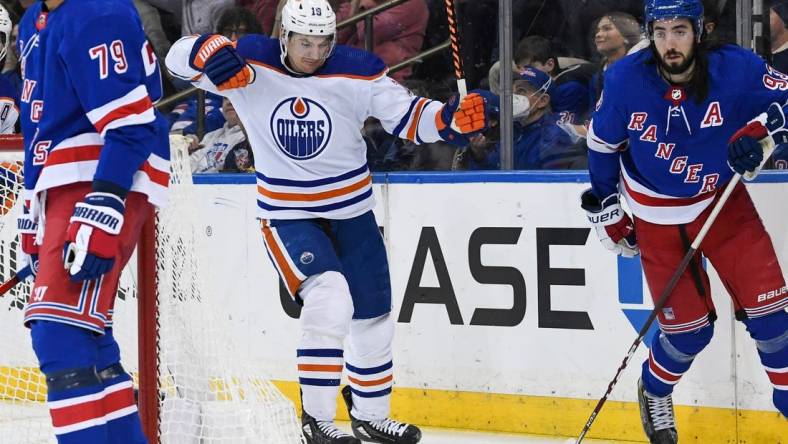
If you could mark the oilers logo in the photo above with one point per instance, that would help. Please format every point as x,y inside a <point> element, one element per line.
<point>301,127</point>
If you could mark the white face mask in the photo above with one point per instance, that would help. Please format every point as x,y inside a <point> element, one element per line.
<point>521,106</point>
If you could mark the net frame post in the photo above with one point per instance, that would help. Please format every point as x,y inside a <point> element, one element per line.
<point>148,331</point>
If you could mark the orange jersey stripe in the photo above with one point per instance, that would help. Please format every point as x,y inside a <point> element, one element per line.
<point>370,383</point>
<point>291,280</point>
<point>414,125</point>
<point>319,368</point>
<point>311,197</point>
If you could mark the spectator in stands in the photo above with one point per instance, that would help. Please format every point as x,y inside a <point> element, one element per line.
<point>778,19</point>
<point>398,32</point>
<point>570,98</point>
<point>616,34</point>
<point>209,154</point>
<point>154,30</point>
<point>9,94</point>
<point>11,66</point>
<point>234,23</point>
<point>581,17</point>
<point>265,11</point>
<point>240,159</point>
<point>539,143</point>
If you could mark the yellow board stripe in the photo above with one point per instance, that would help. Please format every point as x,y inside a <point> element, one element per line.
<point>540,415</point>
<point>536,415</point>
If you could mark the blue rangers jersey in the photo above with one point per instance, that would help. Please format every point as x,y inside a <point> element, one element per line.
<point>305,131</point>
<point>90,79</point>
<point>664,151</point>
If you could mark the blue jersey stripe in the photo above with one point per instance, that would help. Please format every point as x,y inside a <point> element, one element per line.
<point>319,208</point>
<point>312,183</point>
<point>369,371</point>
<point>320,352</point>
<point>319,382</point>
<point>376,394</point>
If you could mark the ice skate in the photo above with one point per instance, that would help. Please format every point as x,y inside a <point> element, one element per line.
<point>386,430</point>
<point>656,414</point>
<point>324,432</point>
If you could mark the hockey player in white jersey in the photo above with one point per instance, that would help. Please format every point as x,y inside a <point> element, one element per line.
<point>303,102</point>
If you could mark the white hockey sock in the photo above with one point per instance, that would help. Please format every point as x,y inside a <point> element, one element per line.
<point>325,321</point>
<point>369,366</point>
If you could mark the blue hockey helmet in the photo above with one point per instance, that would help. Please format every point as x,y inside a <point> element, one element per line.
<point>671,9</point>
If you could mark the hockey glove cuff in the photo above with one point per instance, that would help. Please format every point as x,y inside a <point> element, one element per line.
<point>613,226</point>
<point>751,146</point>
<point>92,237</point>
<point>216,56</point>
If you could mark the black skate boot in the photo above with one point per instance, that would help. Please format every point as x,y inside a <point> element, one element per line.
<point>324,432</point>
<point>386,431</point>
<point>656,414</point>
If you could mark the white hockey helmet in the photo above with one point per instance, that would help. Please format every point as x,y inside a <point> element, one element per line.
<point>308,17</point>
<point>5,31</point>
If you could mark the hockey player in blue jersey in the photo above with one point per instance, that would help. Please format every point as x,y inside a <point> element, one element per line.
<point>674,122</point>
<point>303,102</point>
<point>96,160</point>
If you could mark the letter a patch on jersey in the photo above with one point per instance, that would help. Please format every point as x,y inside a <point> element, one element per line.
<point>650,135</point>
<point>713,116</point>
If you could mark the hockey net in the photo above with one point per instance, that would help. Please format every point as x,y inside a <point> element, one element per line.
<point>193,387</point>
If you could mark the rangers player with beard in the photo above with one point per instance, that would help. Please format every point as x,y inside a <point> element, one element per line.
<point>659,137</point>
<point>303,101</point>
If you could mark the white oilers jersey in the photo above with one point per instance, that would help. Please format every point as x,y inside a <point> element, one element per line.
<point>305,131</point>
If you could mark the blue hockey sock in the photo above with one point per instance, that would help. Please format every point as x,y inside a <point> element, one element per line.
<point>771,337</point>
<point>67,357</point>
<point>670,357</point>
<point>120,409</point>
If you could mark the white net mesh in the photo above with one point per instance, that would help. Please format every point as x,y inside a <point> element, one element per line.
<point>208,392</point>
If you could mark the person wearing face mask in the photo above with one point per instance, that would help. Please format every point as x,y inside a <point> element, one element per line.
<point>539,143</point>
<point>570,98</point>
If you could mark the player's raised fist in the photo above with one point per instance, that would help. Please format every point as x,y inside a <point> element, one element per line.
<point>461,116</point>
<point>92,237</point>
<point>216,56</point>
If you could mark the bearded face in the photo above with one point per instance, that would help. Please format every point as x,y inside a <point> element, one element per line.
<point>674,40</point>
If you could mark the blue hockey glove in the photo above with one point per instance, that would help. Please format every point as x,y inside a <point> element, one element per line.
<point>27,265</point>
<point>216,56</point>
<point>92,237</point>
<point>613,226</point>
<point>751,146</point>
<point>460,117</point>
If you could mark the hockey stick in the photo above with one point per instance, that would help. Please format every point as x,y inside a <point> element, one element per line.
<point>6,286</point>
<point>456,57</point>
<point>663,298</point>
<point>455,49</point>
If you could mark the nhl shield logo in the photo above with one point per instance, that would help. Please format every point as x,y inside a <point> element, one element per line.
<point>301,127</point>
